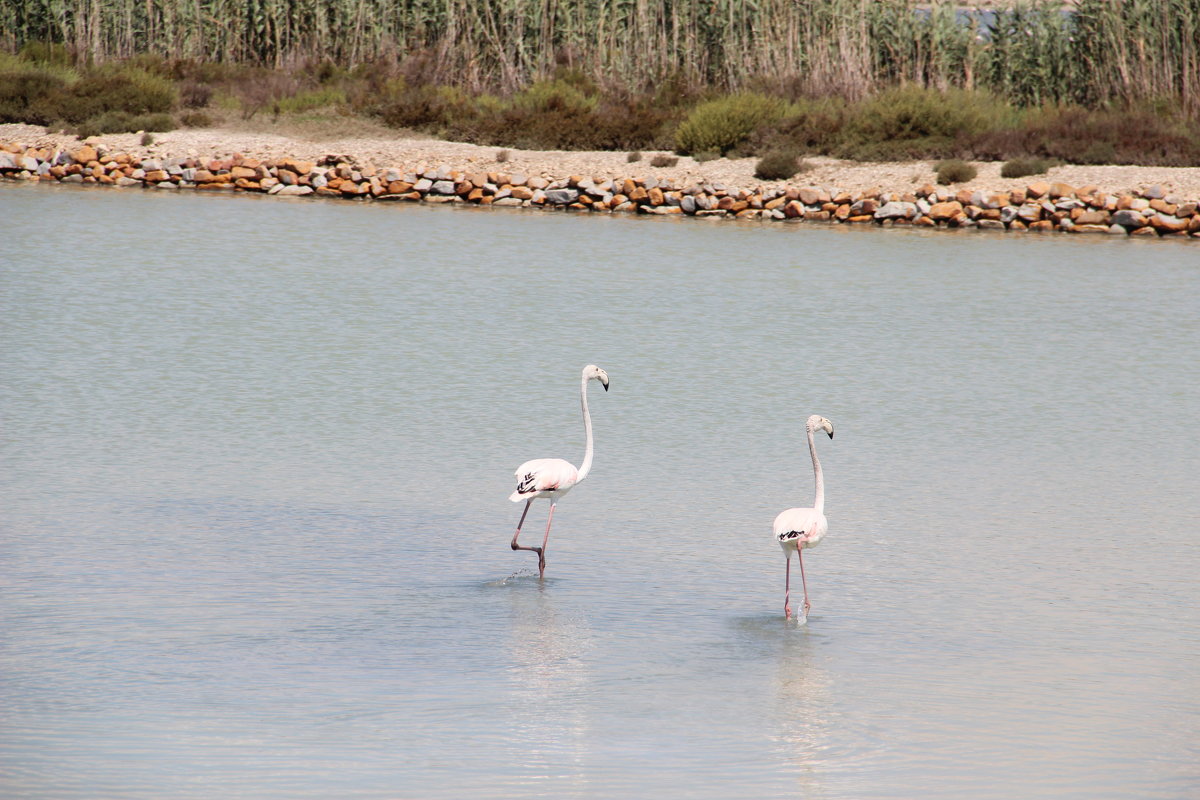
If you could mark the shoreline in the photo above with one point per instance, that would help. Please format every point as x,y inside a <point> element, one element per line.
<point>1164,201</point>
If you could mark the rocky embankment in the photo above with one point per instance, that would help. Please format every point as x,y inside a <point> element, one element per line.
<point>1039,206</point>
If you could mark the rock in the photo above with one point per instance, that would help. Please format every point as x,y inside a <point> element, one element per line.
<point>793,209</point>
<point>1163,206</point>
<point>1029,212</point>
<point>1128,218</point>
<point>992,224</point>
<point>84,154</point>
<point>1089,229</point>
<point>155,176</point>
<point>124,181</point>
<point>688,204</point>
<point>423,185</point>
<point>1061,190</point>
<point>1154,192</point>
<point>1165,223</point>
<point>896,210</point>
<point>1041,225</point>
<point>1093,217</point>
<point>941,212</point>
<point>442,187</point>
<point>1037,189</point>
<point>812,197</point>
<point>520,193</point>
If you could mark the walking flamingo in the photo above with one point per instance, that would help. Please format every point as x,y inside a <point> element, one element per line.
<point>554,477</point>
<point>800,528</point>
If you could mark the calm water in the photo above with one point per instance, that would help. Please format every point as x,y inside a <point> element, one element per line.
<point>254,535</point>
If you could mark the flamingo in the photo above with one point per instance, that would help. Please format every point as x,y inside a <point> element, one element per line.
<point>554,477</point>
<point>799,528</point>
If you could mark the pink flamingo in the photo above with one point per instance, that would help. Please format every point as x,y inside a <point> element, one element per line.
<point>799,528</point>
<point>554,477</point>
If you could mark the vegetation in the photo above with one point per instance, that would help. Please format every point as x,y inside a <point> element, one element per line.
<point>954,171</point>
<point>1020,167</point>
<point>778,166</point>
<point>864,79</point>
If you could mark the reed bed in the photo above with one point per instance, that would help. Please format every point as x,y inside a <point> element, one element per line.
<point>1031,52</point>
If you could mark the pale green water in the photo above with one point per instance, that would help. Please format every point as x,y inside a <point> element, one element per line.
<point>254,535</point>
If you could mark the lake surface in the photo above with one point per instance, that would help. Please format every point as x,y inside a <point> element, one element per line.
<point>254,540</point>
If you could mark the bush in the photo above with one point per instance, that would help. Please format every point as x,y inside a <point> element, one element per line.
<point>722,124</point>
<point>1020,167</point>
<point>777,166</point>
<point>120,90</point>
<point>123,122</point>
<point>661,160</point>
<point>706,155</point>
<point>195,119</point>
<point>912,122</point>
<point>954,171</point>
<point>24,92</point>
<point>633,157</point>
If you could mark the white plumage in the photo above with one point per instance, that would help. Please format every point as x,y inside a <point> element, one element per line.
<point>798,529</point>
<point>554,477</point>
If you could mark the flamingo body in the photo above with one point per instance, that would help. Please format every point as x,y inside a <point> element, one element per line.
<point>544,477</point>
<point>800,527</point>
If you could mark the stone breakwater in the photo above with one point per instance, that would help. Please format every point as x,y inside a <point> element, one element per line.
<point>1040,206</point>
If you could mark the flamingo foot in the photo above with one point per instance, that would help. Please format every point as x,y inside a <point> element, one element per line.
<point>541,562</point>
<point>787,612</point>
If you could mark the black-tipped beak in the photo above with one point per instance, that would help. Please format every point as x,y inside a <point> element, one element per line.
<point>605,385</point>
<point>831,434</point>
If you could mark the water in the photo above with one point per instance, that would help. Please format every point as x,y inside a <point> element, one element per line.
<point>254,540</point>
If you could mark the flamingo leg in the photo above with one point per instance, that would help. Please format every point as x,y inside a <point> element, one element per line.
<point>787,587</point>
<point>541,551</point>
<point>516,546</point>
<point>800,555</point>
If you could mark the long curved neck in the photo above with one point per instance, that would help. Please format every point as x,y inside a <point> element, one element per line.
<point>819,501</point>
<point>586,467</point>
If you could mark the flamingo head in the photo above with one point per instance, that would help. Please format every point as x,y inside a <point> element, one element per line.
<point>592,372</point>
<point>818,423</point>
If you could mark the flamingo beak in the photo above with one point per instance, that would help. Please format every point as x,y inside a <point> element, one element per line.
<point>605,385</point>
<point>831,434</point>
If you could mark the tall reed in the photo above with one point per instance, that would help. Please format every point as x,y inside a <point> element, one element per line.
<point>1032,51</point>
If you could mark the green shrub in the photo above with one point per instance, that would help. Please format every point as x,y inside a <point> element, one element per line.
<point>195,119</point>
<point>633,157</point>
<point>24,93</point>
<point>722,124</point>
<point>912,122</point>
<point>1020,167</point>
<point>954,171</point>
<point>554,97</point>
<point>777,166</point>
<point>661,161</point>
<point>123,122</point>
<point>706,155</point>
<point>117,89</point>
<point>307,101</point>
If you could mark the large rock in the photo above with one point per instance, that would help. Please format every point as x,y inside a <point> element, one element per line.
<point>1128,218</point>
<point>1037,189</point>
<point>942,212</point>
<point>84,154</point>
<point>896,210</point>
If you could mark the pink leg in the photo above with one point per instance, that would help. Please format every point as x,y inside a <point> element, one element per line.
<point>787,587</point>
<point>541,551</point>
<point>800,555</point>
<point>516,546</point>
